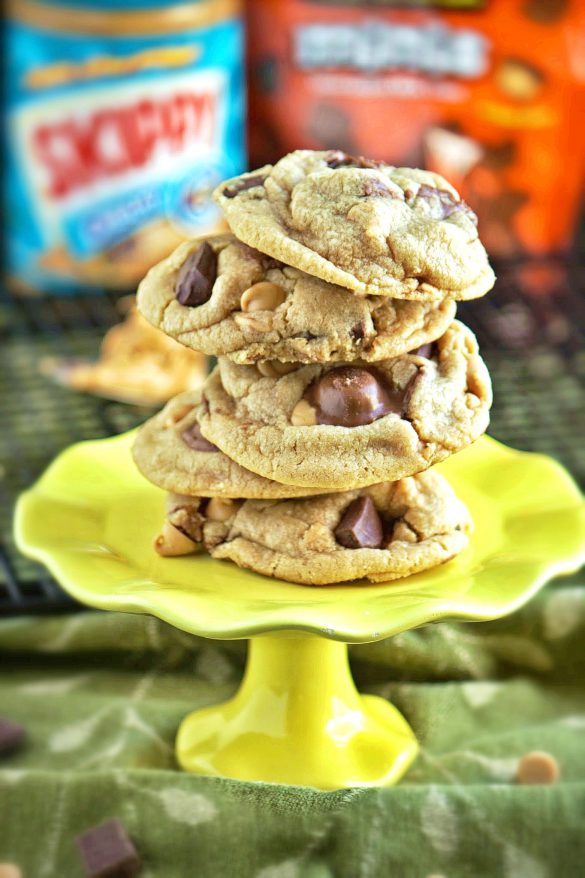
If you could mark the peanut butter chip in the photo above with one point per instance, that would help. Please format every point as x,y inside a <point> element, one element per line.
<point>220,509</point>
<point>303,414</point>
<point>256,322</point>
<point>274,368</point>
<point>172,542</point>
<point>263,296</point>
<point>177,415</point>
<point>537,767</point>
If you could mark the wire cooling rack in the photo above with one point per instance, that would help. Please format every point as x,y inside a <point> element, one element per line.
<point>530,330</point>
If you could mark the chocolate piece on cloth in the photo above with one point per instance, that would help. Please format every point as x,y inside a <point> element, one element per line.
<point>107,851</point>
<point>351,396</point>
<point>12,736</point>
<point>196,276</point>
<point>361,526</point>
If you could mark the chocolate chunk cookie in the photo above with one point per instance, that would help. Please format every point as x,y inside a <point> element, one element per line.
<point>384,532</point>
<point>337,427</point>
<point>365,225</point>
<point>221,297</point>
<point>171,452</point>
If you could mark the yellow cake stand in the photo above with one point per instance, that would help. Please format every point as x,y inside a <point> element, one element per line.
<point>298,717</point>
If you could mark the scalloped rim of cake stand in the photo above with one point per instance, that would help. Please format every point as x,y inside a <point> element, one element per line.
<point>91,518</point>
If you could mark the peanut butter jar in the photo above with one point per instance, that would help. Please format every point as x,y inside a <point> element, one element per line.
<point>122,118</point>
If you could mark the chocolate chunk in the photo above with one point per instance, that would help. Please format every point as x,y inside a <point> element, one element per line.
<point>351,396</point>
<point>336,158</point>
<point>196,277</point>
<point>245,183</point>
<point>270,262</point>
<point>446,201</point>
<point>425,350</point>
<point>377,187</point>
<point>411,388</point>
<point>308,336</point>
<point>194,438</point>
<point>107,852</point>
<point>11,736</point>
<point>357,332</point>
<point>360,526</point>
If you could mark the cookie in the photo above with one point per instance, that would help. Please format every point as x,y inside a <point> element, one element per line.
<point>338,427</point>
<point>170,451</point>
<point>381,533</point>
<point>362,224</point>
<point>191,522</point>
<point>137,364</point>
<point>259,309</point>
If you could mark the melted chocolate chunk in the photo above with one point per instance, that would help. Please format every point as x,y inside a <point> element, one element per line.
<point>270,262</point>
<point>193,437</point>
<point>410,389</point>
<point>377,187</point>
<point>11,736</point>
<point>361,526</point>
<point>107,850</point>
<point>196,277</point>
<point>357,332</point>
<point>351,396</point>
<point>242,185</point>
<point>336,158</point>
<point>446,201</point>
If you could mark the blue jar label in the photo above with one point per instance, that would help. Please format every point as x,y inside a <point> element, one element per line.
<point>113,154</point>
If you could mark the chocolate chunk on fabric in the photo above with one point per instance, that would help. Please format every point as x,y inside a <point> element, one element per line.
<point>194,438</point>
<point>12,736</point>
<point>351,396</point>
<point>360,526</point>
<point>108,852</point>
<point>196,277</point>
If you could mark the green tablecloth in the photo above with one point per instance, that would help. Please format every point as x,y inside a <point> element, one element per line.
<point>102,694</point>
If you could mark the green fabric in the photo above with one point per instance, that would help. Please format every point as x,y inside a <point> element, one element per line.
<point>101,696</point>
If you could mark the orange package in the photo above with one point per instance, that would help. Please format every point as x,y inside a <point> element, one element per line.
<point>489,94</point>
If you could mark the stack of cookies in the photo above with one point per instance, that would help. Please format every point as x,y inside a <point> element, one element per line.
<point>342,375</point>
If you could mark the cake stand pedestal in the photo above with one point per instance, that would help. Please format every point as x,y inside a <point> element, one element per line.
<point>298,717</point>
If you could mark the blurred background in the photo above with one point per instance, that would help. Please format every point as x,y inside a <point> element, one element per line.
<point>122,118</point>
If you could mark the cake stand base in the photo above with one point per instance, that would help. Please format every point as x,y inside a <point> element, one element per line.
<point>299,719</point>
